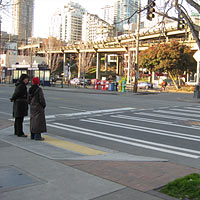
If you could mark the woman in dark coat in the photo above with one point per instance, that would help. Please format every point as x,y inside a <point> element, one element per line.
<point>37,110</point>
<point>20,105</point>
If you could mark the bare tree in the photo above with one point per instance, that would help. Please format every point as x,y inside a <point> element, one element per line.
<point>194,4</point>
<point>179,7</point>
<point>85,60</point>
<point>50,44</point>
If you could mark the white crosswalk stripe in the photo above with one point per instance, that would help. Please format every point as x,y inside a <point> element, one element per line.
<point>176,113</point>
<point>166,116</point>
<point>166,123</point>
<point>4,99</point>
<point>192,108</point>
<point>127,140</point>
<point>144,129</point>
<point>153,121</point>
<point>85,113</point>
<point>184,110</point>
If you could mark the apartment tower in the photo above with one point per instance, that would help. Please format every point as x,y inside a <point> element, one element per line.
<point>123,9</point>
<point>66,24</point>
<point>22,18</point>
<point>107,14</point>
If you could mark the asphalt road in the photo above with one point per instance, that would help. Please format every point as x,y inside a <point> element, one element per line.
<point>165,125</point>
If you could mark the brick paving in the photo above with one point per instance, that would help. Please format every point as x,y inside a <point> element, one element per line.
<point>142,176</point>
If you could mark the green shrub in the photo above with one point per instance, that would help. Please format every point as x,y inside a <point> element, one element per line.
<point>186,187</point>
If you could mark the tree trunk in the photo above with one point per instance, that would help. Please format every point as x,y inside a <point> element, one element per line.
<point>151,78</point>
<point>173,80</point>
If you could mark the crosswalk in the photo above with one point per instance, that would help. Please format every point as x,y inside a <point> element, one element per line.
<point>171,130</point>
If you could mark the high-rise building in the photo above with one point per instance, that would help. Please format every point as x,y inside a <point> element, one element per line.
<point>67,24</point>
<point>123,9</point>
<point>107,14</point>
<point>22,17</point>
<point>95,28</point>
<point>55,28</point>
<point>72,22</point>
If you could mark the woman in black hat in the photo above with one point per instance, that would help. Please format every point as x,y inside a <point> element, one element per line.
<point>20,105</point>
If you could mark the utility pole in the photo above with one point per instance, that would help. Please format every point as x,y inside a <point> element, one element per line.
<point>137,49</point>
<point>0,36</point>
<point>0,31</point>
<point>0,49</point>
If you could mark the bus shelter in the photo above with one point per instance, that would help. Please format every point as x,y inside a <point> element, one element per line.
<point>41,71</point>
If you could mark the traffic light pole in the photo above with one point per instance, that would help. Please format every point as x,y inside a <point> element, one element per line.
<point>151,9</point>
<point>137,49</point>
<point>0,49</point>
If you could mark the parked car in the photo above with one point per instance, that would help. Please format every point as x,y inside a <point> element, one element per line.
<point>144,85</point>
<point>87,81</point>
<point>80,81</point>
<point>193,83</point>
<point>75,81</point>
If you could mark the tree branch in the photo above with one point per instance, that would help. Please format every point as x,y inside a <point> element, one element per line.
<point>194,4</point>
<point>191,25</point>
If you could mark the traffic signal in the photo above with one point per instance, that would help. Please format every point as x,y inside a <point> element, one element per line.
<point>151,9</point>
<point>181,22</point>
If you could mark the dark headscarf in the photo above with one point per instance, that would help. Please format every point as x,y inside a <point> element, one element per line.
<point>22,77</point>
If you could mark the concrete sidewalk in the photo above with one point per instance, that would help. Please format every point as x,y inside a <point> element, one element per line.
<point>38,170</point>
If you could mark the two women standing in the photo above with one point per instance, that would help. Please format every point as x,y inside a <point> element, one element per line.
<point>35,98</point>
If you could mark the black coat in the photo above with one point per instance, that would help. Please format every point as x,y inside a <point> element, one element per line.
<point>20,105</point>
<point>37,110</point>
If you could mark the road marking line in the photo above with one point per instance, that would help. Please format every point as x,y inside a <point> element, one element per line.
<point>109,111</point>
<point>193,108</point>
<point>5,113</point>
<point>97,112</point>
<point>176,113</point>
<point>128,138</point>
<point>71,108</point>
<point>6,99</point>
<point>153,121</point>
<point>167,116</point>
<point>107,136</point>
<point>184,110</point>
<point>144,129</point>
<point>164,107</point>
<point>72,146</point>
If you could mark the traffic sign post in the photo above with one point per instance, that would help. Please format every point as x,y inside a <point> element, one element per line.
<point>197,58</point>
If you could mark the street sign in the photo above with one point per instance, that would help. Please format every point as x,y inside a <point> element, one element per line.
<point>197,56</point>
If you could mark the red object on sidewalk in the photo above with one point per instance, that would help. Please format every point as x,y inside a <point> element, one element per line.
<point>96,87</point>
<point>103,85</point>
<point>107,83</point>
